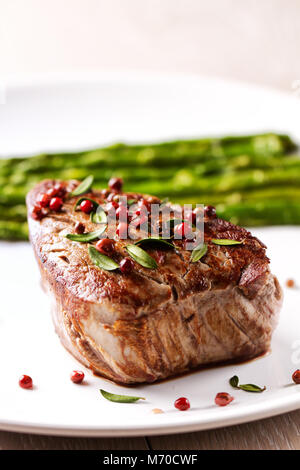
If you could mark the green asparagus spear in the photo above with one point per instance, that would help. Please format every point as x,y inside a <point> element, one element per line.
<point>166,154</point>
<point>261,213</point>
<point>185,183</point>
<point>14,231</point>
<point>178,183</point>
<point>236,173</point>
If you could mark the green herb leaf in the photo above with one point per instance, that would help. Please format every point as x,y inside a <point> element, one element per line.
<point>252,388</point>
<point>120,398</point>
<point>225,241</point>
<point>95,204</point>
<point>130,202</point>
<point>234,382</point>
<point>141,257</point>
<point>86,237</point>
<point>198,252</point>
<point>154,241</point>
<point>83,187</point>
<point>102,261</point>
<point>99,217</point>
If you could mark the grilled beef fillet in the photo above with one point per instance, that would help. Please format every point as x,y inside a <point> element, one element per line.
<point>150,324</point>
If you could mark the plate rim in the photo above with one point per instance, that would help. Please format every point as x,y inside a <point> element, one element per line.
<point>59,78</point>
<point>264,412</point>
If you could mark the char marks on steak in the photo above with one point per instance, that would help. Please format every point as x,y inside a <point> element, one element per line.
<point>147,325</point>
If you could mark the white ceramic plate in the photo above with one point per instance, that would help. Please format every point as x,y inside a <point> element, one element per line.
<point>87,112</point>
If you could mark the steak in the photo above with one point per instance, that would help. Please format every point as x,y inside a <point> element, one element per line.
<point>149,324</point>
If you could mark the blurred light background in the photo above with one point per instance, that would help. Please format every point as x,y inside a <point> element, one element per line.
<point>257,41</point>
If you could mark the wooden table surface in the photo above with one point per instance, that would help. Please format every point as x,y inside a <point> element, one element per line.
<point>281,432</point>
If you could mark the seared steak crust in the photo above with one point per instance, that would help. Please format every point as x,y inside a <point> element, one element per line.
<point>151,324</point>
